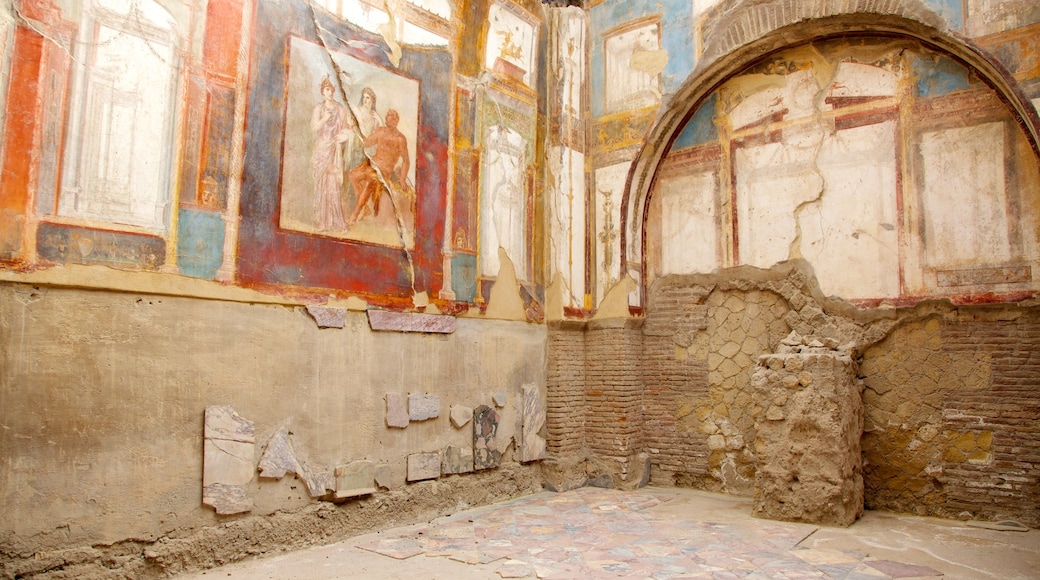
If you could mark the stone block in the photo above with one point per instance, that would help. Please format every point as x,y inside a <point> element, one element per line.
<point>396,413</point>
<point>457,460</point>
<point>532,442</point>
<point>327,317</point>
<point>278,457</point>
<point>486,453</point>
<point>422,407</point>
<point>424,466</point>
<point>461,415</point>
<point>807,439</point>
<point>228,460</point>
<point>354,479</point>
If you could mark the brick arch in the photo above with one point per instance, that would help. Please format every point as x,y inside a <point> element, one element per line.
<point>747,31</point>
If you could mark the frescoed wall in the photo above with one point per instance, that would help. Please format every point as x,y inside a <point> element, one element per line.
<point>316,211</point>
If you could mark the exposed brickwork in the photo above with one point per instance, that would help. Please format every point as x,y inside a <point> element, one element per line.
<point>614,394</point>
<point>565,386</point>
<point>952,416</point>
<point>1000,476</point>
<point>952,397</point>
<point>675,383</point>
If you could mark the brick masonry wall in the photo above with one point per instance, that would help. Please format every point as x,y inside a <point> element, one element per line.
<point>951,398</point>
<point>953,416</point>
<point>675,384</point>
<point>565,386</point>
<point>614,394</point>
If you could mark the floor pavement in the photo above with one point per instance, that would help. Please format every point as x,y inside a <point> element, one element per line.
<point>657,533</point>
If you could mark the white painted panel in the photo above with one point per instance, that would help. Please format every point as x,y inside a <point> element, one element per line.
<point>851,236</point>
<point>688,231</point>
<point>964,196</point>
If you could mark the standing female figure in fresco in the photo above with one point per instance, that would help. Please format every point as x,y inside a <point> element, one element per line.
<point>331,125</point>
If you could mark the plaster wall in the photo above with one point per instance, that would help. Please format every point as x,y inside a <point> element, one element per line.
<point>104,394</point>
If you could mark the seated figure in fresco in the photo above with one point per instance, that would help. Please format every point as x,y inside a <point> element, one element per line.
<point>389,162</point>
<point>331,126</point>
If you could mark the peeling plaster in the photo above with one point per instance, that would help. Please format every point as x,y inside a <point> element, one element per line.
<point>615,302</point>
<point>505,302</point>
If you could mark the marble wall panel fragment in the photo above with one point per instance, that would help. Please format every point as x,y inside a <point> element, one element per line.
<point>327,317</point>
<point>424,466</point>
<point>396,413</point>
<point>533,424</point>
<point>354,479</point>
<point>278,457</point>
<point>228,463</point>
<point>486,453</point>
<point>457,460</point>
<point>461,415</point>
<point>422,407</point>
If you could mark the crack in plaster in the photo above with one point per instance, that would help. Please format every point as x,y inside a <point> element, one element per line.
<point>818,130</point>
<point>402,229</point>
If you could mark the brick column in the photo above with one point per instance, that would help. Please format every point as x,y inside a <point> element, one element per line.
<point>614,393</point>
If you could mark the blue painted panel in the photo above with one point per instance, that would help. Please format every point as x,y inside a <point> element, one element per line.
<point>200,243</point>
<point>464,277</point>
<point>938,77</point>
<point>701,127</point>
<point>676,38</point>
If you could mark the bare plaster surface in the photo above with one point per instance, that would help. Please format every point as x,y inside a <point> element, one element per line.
<point>105,392</point>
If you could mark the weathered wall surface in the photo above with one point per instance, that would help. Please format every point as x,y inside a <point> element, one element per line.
<point>104,395</point>
<point>950,401</point>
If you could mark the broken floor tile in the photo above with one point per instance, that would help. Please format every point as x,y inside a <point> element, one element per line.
<point>486,453</point>
<point>532,446</point>
<point>515,569</point>
<point>396,413</point>
<point>278,457</point>
<point>228,460</point>
<point>457,460</point>
<point>328,317</point>
<point>410,322</point>
<point>422,407</point>
<point>460,415</point>
<point>354,479</point>
<point>901,570</point>
<point>424,466</point>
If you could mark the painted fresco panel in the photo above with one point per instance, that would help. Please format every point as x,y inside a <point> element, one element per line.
<point>503,203</point>
<point>633,62</point>
<point>118,151</point>
<point>771,181</point>
<point>60,243</point>
<point>511,50</point>
<point>688,225</point>
<point>851,236</point>
<point>270,254</point>
<point>327,149</point>
<point>568,224</point>
<point>963,196</point>
<point>609,187</point>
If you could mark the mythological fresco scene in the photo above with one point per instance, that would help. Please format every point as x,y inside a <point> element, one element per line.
<point>661,289</point>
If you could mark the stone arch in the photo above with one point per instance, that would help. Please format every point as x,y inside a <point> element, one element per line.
<point>747,31</point>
